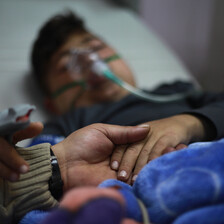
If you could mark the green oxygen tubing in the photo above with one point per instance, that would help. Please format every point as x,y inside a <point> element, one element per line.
<point>101,68</point>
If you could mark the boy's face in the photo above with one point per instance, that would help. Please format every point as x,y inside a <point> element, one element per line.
<point>99,89</point>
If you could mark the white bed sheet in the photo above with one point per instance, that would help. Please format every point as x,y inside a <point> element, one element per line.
<point>151,61</point>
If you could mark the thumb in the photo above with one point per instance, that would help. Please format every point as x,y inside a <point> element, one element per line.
<point>31,131</point>
<point>126,134</point>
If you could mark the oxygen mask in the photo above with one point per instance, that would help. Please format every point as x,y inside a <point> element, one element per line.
<point>80,67</point>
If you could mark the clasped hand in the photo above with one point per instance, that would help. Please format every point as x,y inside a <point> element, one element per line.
<point>84,156</point>
<point>165,135</point>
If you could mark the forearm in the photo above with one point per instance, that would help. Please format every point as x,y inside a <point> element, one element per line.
<point>211,108</point>
<point>209,128</point>
<point>199,128</point>
<point>31,191</point>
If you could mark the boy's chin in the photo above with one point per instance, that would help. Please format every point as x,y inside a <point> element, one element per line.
<point>111,95</point>
<point>104,97</point>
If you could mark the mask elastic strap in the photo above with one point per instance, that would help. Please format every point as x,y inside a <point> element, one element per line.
<point>112,58</point>
<point>68,86</point>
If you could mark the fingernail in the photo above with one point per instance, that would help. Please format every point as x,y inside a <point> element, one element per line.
<point>134,178</point>
<point>23,169</point>
<point>114,165</point>
<point>123,173</point>
<point>143,126</point>
<point>14,177</point>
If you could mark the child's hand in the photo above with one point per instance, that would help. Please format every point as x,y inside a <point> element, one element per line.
<point>165,135</point>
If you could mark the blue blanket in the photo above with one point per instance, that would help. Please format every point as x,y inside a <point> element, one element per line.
<point>185,186</point>
<point>187,183</point>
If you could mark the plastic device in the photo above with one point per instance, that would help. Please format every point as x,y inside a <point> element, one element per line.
<point>85,59</point>
<point>14,119</point>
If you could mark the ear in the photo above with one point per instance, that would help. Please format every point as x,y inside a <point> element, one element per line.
<point>50,105</point>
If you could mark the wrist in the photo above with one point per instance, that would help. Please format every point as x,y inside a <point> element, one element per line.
<point>55,181</point>
<point>209,130</point>
<point>59,152</point>
<point>196,126</point>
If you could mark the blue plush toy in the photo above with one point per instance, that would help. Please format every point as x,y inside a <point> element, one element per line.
<point>182,187</point>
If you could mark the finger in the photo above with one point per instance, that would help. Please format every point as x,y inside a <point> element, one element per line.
<point>117,156</point>
<point>31,131</point>
<point>168,149</point>
<point>7,173</point>
<point>163,143</point>
<point>151,150</point>
<point>180,146</point>
<point>143,156</point>
<point>129,181</point>
<point>11,159</point>
<point>129,160</point>
<point>172,149</point>
<point>133,178</point>
<point>125,134</point>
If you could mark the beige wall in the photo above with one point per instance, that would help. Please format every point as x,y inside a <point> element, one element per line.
<point>195,30</point>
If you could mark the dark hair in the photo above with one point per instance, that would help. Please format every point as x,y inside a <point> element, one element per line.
<point>51,37</point>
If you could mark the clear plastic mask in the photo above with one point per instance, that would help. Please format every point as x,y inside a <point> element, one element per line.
<point>80,62</point>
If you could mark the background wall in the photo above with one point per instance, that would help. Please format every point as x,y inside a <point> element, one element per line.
<point>195,31</point>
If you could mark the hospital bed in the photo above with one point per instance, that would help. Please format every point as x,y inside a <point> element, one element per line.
<point>151,60</point>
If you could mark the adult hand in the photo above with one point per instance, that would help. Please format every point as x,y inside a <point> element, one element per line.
<point>84,156</point>
<point>165,135</point>
<point>11,163</point>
